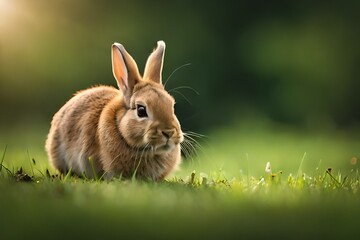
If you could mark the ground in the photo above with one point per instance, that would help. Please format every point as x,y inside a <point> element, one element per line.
<point>310,189</point>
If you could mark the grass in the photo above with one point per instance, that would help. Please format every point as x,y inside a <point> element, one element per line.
<point>309,190</point>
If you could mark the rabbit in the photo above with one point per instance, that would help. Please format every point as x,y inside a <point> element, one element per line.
<point>127,132</point>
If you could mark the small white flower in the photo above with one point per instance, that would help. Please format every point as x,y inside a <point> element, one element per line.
<point>268,168</point>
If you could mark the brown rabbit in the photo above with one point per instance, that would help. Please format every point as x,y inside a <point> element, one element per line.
<point>123,133</point>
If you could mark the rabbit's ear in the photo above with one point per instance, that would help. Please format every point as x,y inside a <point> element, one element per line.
<point>154,64</point>
<point>124,69</point>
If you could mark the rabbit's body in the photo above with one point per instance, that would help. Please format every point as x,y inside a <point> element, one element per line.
<point>127,132</point>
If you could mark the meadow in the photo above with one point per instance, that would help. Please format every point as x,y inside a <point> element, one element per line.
<point>251,180</point>
<point>295,62</point>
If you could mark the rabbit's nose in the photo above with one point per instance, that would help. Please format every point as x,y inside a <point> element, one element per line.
<point>168,133</point>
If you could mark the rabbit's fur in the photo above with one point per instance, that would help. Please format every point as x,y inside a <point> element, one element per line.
<point>123,133</point>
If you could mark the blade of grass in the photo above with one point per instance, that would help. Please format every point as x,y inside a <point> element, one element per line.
<point>3,158</point>
<point>93,168</point>
<point>247,170</point>
<point>41,173</point>
<point>2,165</point>
<point>68,174</point>
<point>8,170</point>
<point>338,184</point>
<point>300,167</point>
<point>133,177</point>
<point>102,176</point>
<point>30,161</point>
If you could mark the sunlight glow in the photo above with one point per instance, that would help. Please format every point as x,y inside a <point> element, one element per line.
<point>15,18</point>
<point>7,9</point>
<point>6,6</point>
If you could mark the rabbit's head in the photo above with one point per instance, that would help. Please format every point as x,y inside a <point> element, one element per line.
<point>149,122</point>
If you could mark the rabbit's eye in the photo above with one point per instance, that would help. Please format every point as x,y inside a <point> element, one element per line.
<point>141,111</point>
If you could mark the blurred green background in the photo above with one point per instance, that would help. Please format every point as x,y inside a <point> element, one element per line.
<point>292,63</point>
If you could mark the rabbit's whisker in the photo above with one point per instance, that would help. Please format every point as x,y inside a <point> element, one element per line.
<point>184,149</point>
<point>178,68</point>
<point>181,94</point>
<point>185,87</point>
<point>195,134</point>
<point>190,146</point>
<point>194,141</point>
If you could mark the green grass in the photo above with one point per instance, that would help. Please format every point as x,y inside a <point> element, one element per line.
<point>312,191</point>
